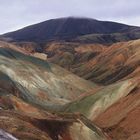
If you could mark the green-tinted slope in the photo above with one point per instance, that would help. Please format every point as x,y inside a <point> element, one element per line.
<point>94,104</point>
<point>42,83</point>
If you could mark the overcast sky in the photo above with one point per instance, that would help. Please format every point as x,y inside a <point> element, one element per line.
<point>15,14</point>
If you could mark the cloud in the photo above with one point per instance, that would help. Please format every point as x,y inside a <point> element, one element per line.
<point>19,13</point>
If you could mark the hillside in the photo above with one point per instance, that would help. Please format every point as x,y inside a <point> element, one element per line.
<point>116,62</point>
<point>99,63</point>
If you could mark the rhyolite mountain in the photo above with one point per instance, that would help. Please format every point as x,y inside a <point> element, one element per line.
<point>42,101</point>
<point>39,100</point>
<point>75,29</point>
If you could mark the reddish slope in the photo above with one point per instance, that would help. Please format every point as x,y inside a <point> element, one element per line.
<point>113,64</point>
<point>122,120</point>
<point>68,54</point>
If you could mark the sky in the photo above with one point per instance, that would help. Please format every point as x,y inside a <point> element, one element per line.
<point>16,14</point>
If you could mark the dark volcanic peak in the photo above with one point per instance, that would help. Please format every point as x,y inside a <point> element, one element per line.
<point>66,28</point>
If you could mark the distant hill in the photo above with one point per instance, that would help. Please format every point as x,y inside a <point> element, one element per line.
<point>75,29</point>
